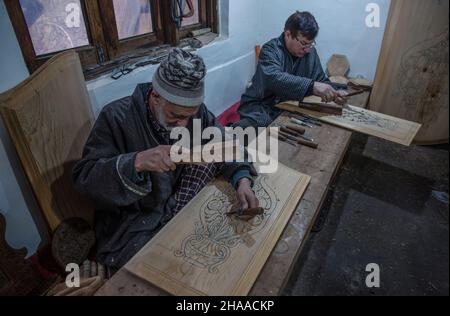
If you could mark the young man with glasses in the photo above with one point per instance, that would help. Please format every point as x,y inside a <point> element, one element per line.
<point>289,69</point>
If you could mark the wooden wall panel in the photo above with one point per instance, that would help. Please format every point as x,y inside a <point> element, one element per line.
<point>203,251</point>
<point>49,118</point>
<point>412,80</point>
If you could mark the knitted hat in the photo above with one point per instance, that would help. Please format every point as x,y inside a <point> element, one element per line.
<point>179,79</point>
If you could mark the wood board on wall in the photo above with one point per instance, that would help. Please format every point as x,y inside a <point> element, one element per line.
<point>364,121</point>
<point>412,80</point>
<point>203,251</point>
<point>49,118</point>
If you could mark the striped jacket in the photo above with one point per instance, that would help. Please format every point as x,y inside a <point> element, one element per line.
<point>279,77</point>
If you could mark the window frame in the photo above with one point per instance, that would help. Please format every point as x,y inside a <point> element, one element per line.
<point>88,54</point>
<point>207,17</point>
<point>119,47</point>
<point>104,45</point>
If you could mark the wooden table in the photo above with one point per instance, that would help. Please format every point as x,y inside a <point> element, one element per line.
<point>322,165</point>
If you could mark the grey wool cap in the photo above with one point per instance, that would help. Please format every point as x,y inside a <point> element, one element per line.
<point>180,78</point>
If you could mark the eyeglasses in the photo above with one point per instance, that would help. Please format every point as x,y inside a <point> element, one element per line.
<point>306,45</point>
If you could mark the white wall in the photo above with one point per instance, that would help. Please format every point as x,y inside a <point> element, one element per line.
<point>231,64</point>
<point>15,194</point>
<point>13,66</point>
<point>342,25</point>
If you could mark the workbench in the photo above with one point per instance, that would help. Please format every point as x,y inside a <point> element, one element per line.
<point>322,165</point>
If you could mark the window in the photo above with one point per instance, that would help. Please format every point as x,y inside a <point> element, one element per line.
<point>104,31</point>
<point>194,17</point>
<point>133,18</point>
<point>45,22</point>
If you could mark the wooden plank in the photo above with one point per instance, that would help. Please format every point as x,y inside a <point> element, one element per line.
<point>412,80</point>
<point>124,283</point>
<point>202,251</point>
<point>49,119</point>
<point>364,121</point>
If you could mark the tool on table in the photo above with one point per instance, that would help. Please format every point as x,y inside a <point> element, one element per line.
<point>287,141</point>
<point>297,129</point>
<point>246,214</point>
<point>312,120</point>
<point>307,138</point>
<point>293,132</point>
<point>307,119</point>
<point>327,108</point>
<point>300,141</point>
<point>300,122</point>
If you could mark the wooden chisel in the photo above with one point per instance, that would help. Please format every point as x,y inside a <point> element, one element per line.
<point>290,131</point>
<point>300,141</point>
<point>287,141</point>
<point>298,129</point>
<point>299,122</point>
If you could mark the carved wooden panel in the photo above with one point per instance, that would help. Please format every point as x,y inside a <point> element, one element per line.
<point>412,80</point>
<point>364,121</point>
<point>204,251</point>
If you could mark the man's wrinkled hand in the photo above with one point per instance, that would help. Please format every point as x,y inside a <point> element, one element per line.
<point>155,160</point>
<point>245,194</point>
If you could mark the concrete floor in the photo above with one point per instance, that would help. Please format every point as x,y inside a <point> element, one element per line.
<point>381,210</point>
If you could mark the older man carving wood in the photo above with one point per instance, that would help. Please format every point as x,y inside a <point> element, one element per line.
<point>126,166</point>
